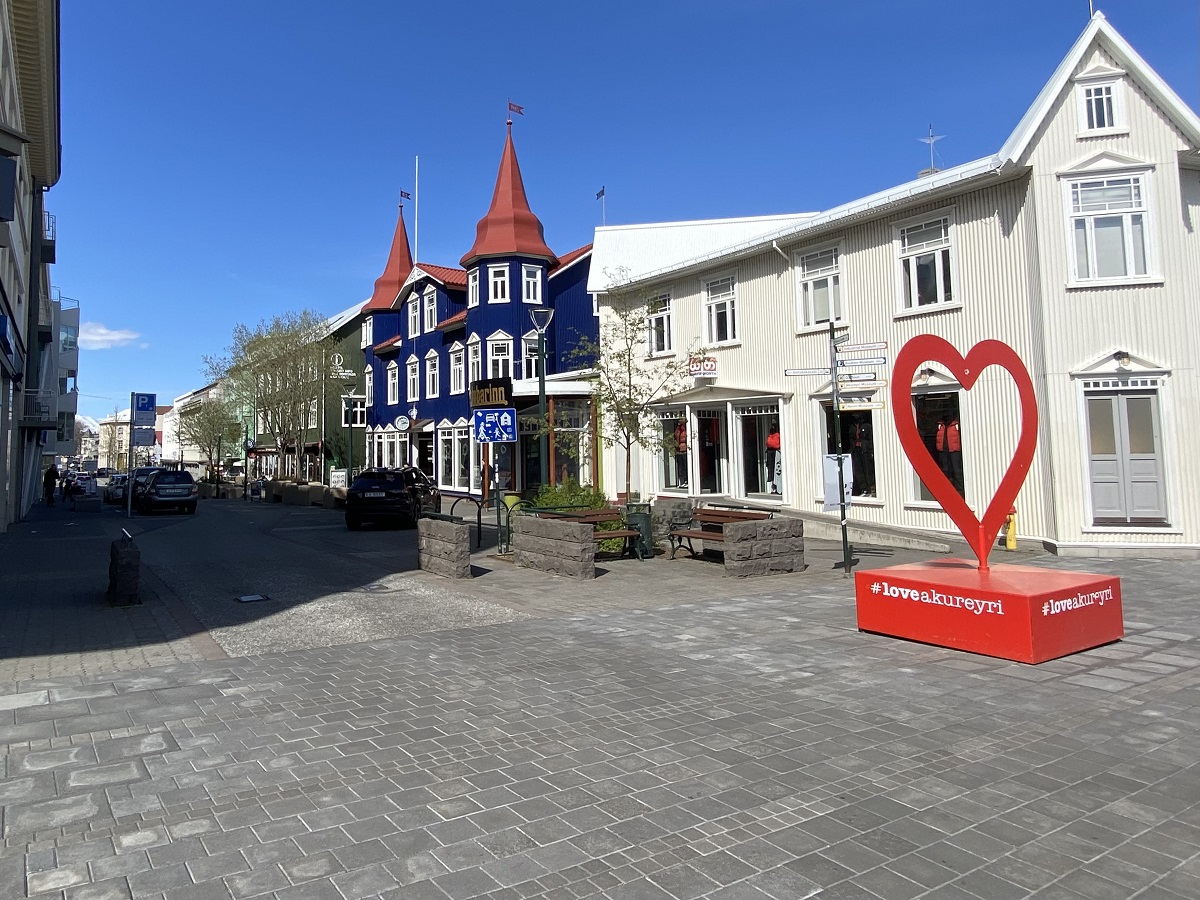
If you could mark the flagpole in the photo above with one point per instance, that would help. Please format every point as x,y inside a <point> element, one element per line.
<point>603,199</point>
<point>416,206</point>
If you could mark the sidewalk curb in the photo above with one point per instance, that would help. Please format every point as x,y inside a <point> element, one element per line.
<point>192,627</point>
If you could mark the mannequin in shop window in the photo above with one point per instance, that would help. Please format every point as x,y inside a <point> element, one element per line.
<point>681,474</point>
<point>949,447</point>
<point>774,459</point>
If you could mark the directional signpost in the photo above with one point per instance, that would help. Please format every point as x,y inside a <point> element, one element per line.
<point>847,381</point>
<point>142,414</point>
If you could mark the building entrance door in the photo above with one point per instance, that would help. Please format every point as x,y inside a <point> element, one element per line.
<point>1125,459</point>
<point>712,450</point>
<point>425,453</point>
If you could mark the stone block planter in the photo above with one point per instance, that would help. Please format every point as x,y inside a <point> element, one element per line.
<point>766,547</point>
<point>557,546</point>
<point>444,548</point>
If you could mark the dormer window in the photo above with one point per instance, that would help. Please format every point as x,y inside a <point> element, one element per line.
<point>473,288</point>
<point>497,284</point>
<point>1101,103</point>
<point>531,278</point>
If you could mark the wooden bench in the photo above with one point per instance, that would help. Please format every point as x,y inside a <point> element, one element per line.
<point>597,517</point>
<point>708,524</point>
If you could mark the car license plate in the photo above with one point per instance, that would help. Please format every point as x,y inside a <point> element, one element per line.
<point>374,494</point>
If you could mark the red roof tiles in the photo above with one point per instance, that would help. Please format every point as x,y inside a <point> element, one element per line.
<point>567,258</point>
<point>399,264</point>
<point>385,346</point>
<point>446,275</point>
<point>510,228</point>
<point>459,318</point>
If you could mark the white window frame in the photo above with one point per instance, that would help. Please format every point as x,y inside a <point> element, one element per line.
<point>473,288</point>
<point>368,331</point>
<point>474,359</point>
<point>712,307</point>
<point>414,316</point>
<point>663,317</point>
<point>458,368</point>
<point>354,412</point>
<point>1141,184</point>
<point>908,279</point>
<point>1114,109</point>
<point>393,383</point>
<point>432,374</point>
<point>498,284</point>
<point>430,303</point>
<point>412,378</point>
<point>531,284</point>
<point>497,340</point>
<point>529,355</point>
<point>369,389</point>
<point>814,265</point>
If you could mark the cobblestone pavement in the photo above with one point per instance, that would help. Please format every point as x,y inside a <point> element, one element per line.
<point>746,747</point>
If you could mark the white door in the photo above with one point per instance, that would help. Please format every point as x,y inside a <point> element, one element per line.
<point>1125,459</point>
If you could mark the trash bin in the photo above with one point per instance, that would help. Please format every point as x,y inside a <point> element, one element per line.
<point>637,517</point>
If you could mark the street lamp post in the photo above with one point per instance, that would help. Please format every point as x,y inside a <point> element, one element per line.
<point>541,321</point>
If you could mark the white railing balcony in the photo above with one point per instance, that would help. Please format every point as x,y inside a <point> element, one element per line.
<point>49,226</point>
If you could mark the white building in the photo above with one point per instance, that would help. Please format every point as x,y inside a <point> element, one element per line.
<point>32,353</point>
<point>1076,243</point>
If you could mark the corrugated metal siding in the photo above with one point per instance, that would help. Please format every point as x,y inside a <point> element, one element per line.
<point>573,318</point>
<point>1155,322</point>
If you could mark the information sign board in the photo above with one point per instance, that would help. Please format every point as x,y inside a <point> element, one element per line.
<point>495,426</point>
<point>144,410</point>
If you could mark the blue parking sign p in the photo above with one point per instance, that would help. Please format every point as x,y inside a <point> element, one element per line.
<point>144,408</point>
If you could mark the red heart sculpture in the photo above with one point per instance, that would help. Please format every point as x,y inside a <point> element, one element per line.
<point>979,533</point>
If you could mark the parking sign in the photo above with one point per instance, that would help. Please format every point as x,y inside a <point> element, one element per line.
<point>495,426</point>
<point>143,406</point>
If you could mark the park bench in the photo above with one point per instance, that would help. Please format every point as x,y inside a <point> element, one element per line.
<point>596,518</point>
<point>708,524</point>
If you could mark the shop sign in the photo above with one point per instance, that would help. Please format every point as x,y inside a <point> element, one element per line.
<point>491,393</point>
<point>702,367</point>
<point>337,368</point>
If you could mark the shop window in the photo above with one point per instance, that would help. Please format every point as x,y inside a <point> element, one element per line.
<point>674,461</point>
<point>938,424</point>
<point>858,443</point>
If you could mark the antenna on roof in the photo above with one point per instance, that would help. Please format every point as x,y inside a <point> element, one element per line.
<point>930,140</point>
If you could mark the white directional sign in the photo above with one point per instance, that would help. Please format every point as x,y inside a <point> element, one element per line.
<point>143,409</point>
<point>858,406</point>
<point>861,385</point>
<point>495,426</point>
<point>820,370</point>
<point>862,361</point>
<point>858,348</point>
<point>856,376</point>
<point>840,339</point>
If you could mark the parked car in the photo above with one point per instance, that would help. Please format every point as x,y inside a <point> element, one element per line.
<point>390,495</point>
<point>140,476</point>
<point>168,489</point>
<point>114,491</point>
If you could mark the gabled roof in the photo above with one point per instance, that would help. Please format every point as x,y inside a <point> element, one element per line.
<point>510,228</point>
<point>644,249</point>
<point>1102,33</point>
<point>399,264</point>
<point>442,274</point>
<point>629,246</point>
<point>569,259</point>
<point>337,320</point>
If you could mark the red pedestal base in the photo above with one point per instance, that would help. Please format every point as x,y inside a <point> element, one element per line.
<point>1021,613</point>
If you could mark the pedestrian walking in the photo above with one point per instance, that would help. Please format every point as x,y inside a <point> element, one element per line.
<point>49,483</point>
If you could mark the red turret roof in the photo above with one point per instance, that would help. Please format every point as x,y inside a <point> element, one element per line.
<point>399,264</point>
<point>510,228</point>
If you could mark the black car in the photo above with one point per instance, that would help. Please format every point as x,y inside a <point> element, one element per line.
<point>168,489</point>
<point>395,495</point>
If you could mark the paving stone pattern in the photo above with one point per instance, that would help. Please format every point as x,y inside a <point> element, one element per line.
<point>744,748</point>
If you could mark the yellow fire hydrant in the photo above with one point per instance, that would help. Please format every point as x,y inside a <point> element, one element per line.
<point>1010,530</point>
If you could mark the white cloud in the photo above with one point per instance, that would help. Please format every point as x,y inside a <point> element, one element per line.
<point>95,336</point>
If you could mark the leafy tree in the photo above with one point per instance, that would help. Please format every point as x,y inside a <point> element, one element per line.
<point>208,424</point>
<point>628,384</point>
<point>277,368</point>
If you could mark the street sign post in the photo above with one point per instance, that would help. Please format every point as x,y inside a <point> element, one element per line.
<point>495,426</point>
<point>863,385</point>
<point>856,376</point>
<point>861,406</point>
<point>855,361</point>
<point>143,406</point>
<point>142,413</point>
<point>857,348</point>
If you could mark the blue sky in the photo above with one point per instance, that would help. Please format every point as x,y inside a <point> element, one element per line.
<point>225,161</point>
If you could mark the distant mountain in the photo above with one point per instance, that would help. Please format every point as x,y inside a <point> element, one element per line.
<point>89,423</point>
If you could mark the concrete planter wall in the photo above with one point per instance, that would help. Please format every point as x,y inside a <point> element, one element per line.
<point>554,545</point>
<point>444,548</point>
<point>334,498</point>
<point>766,547</point>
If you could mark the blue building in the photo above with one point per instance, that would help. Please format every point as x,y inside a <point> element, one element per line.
<point>430,331</point>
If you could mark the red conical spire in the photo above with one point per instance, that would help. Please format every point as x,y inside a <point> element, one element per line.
<point>399,264</point>
<point>510,228</point>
